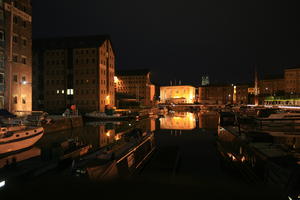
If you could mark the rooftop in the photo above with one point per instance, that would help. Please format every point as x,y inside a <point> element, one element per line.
<point>70,42</point>
<point>132,72</point>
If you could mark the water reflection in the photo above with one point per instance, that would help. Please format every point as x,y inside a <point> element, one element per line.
<point>208,119</point>
<point>178,121</point>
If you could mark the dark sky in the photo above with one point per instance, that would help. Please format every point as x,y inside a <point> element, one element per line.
<point>183,39</point>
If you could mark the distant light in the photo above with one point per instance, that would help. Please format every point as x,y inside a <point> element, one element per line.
<point>2,184</point>
<point>108,134</point>
<point>116,79</point>
<point>290,198</point>
<point>129,124</point>
<point>24,82</point>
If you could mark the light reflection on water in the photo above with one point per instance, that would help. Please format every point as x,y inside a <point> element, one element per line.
<point>189,121</point>
<point>98,135</point>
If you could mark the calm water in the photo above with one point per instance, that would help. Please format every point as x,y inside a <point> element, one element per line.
<point>186,153</point>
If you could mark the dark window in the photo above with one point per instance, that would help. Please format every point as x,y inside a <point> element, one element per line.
<point>15,78</point>
<point>15,58</point>
<point>24,60</point>
<point>1,78</point>
<point>24,24</point>
<point>15,39</point>
<point>16,20</point>
<point>23,100</point>
<point>15,99</point>
<point>1,35</point>
<point>24,42</point>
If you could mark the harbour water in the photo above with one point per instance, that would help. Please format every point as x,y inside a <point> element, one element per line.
<point>185,160</point>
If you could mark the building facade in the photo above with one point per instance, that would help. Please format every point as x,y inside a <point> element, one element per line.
<point>16,55</point>
<point>216,94</point>
<point>271,86</point>
<point>292,81</point>
<point>177,94</point>
<point>74,71</point>
<point>137,84</point>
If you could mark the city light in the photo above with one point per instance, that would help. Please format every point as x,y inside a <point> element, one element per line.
<point>2,184</point>
<point>116,80</point>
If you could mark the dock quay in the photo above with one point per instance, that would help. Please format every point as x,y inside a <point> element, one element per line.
<point>61,123</point>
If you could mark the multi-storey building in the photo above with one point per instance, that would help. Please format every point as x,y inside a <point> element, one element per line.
<point>292,80</point>
<point>224,94</point>
<point>271,86</point>
<point>177,94</point>
<point>137,84</point>
<point>216,94</point>
<point>74,70</point>
<point>15,55</point>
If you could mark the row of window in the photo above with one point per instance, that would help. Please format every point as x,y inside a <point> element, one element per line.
<point>23,79</point>
<point>78,91</point>
<point>78,102</point>
<point>55,62</point>
<point>85,51</point>
<point>18,20</point>
<point>15,100</point>
<point>17,39</point>
<point>21,59</point>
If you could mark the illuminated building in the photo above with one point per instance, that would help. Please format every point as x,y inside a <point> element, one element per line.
<point>74,70</point>
<point>15,55</point>
<point>178,121</point>
<point>292,80</point>
<point>135,85</point>
<point>177,94</point>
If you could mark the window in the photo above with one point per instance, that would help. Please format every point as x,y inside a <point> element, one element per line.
<point>23,79</point>
<point>15,20</point>
<point>1,60</point>
<point>24,24</point>
<point>24,60</point>
<point>1,78</point>
<point>1,35</point>
<point>15,78</point>
<point>23,100</point>
<point>15,39</point>
<point>24,42</point>
<point>15,99</point>
<point>70,92</point>
<point>57,91</point>
<point>15,58</point>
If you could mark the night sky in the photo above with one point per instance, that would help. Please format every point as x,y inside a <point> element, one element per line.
<point>183,40</point>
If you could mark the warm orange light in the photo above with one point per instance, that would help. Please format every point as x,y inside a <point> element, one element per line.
<point>116,80</point>
<point>108,134</point>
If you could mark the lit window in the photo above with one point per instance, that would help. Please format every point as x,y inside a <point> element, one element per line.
<point>23,100</point>
<point>62,91</point>
<point>57,91</point>
<point>70,92</point>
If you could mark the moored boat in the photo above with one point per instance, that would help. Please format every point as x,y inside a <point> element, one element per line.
<point>18,137</point>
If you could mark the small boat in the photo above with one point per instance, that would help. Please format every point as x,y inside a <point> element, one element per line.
<point>18,137</point>
<point>119,160</point>
<point>279,119</point>
<point>94,116</point>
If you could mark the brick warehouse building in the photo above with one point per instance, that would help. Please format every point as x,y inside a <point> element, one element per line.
<point>73,70</point>
<point>137,84</point>
<point>16,55</point>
